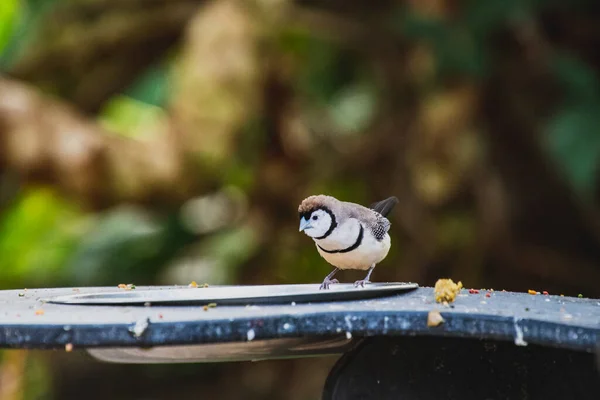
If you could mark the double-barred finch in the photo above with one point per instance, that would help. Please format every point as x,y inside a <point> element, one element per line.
<point>347,235</point>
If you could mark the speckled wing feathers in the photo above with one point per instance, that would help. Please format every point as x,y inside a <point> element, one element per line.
<point>382,224</point>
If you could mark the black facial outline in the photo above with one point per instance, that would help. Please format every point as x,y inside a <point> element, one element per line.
<point>333,225</point>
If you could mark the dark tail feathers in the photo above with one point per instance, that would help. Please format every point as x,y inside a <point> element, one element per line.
<point>384,207</point>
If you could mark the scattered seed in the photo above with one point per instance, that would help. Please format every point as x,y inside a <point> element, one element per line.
<point>533,292</point>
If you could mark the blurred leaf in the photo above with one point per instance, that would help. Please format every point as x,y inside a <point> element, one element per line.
<point>127,245</point>
<point>27,16</point>
<point>152,87</point>
<point>9,12</point>
<point>130,117</point>
<point>483,17</point>
<point>578,79</point>
<point>456,50</point>
<point>121,240</point>
<point>232,247</point>
<point>573,135</point>
<point>38,376</point>
<point>37,235</point>
<point>353,108</point>
<point>323,67</point>
<point>574,142</point>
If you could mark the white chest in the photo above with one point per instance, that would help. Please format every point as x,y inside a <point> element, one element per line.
<point>370,251</point>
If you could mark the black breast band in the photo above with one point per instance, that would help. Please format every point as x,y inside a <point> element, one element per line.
<point>348,249</point>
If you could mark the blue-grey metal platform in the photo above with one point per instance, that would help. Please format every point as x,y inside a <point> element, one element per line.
<point>26,321</point>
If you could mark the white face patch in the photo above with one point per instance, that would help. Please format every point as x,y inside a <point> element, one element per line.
<point>320,222</point>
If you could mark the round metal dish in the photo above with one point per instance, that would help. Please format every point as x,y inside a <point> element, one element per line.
<point>236,295</point>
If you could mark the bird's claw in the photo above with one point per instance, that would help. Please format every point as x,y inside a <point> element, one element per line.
<point>361,283</point>
<point>327,282</point>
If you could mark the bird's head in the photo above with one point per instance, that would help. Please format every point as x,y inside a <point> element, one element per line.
<point>317,217</point>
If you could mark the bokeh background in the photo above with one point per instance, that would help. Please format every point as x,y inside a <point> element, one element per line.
<point>169,141</point>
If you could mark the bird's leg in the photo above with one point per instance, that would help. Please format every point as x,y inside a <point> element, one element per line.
<point>366,280</point>
<point>328,281</point>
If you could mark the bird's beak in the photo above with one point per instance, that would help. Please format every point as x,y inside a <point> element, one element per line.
<point>304,224</point>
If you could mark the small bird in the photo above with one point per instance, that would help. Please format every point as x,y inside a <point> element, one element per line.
<point>347,235</point>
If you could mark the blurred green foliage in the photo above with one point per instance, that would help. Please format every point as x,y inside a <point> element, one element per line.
<point>360,101</point>
<point>38,234</point>
<point>9,12</point>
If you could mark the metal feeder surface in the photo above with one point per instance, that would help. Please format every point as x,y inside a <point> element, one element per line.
<point>227,323</point>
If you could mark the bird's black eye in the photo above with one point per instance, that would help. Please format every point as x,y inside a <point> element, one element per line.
<point>315,217</point>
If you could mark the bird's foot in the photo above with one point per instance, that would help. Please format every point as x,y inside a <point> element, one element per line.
<point>361,282</point>
<point>327,282</point>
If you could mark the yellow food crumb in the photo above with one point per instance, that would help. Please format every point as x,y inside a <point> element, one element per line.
<point>39,312</point>
<point>531,291</point>
<point>193,284</point>
<point>69,347</point>
<point>446,290</point>
<point>434,318</point>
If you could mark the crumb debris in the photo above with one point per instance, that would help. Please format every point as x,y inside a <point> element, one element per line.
<point>140,327</point>
<point>580,296</point>
<point>434,318</point>
<point>69,347</point>
<point>532,292</point>
<point>545,293</point>
<point>473,291</point>
<point>39,312</point>
<point>488,295</point>
<point>21,294</point>
<point>129,286</point>
<point>205,285</point>
<point>193,284</point>
<point>446,290</point>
